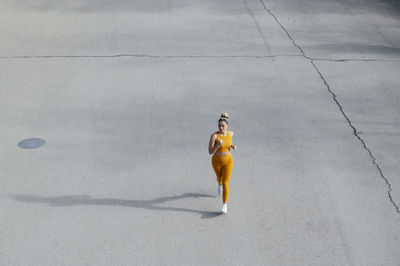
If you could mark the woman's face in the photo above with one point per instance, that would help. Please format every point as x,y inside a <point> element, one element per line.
<point>222,126</point>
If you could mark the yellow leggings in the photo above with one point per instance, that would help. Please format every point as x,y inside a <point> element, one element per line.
<point>223,169</point>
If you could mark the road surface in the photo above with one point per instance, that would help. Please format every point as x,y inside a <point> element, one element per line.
<point>122,97</point>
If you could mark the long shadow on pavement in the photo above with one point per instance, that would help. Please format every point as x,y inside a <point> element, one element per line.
<point>63,201</point>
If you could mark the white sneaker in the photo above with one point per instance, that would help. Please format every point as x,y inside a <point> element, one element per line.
<point>220,190</point>
<point>225,208</point>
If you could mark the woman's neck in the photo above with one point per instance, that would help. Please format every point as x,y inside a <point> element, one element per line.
<point>223,133</point>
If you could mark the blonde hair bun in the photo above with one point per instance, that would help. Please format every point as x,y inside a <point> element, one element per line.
<point>224,116</point>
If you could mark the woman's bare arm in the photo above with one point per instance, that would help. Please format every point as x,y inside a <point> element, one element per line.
<point>232,146</point>
<point>212,147</point>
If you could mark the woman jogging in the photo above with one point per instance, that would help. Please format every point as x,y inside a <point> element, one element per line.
<point>222,161</point>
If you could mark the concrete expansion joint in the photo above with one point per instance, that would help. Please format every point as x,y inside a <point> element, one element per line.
<point>147,56</point>
<point>197,56</point>
<point>358,60</point>
<point>355,131</point>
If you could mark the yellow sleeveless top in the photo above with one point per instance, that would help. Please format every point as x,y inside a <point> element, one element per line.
<point>226,142</point>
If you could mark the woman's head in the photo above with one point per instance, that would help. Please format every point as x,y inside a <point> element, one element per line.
<point>223,122</point>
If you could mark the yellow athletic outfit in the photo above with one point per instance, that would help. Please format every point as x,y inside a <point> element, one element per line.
<point>223,164</point>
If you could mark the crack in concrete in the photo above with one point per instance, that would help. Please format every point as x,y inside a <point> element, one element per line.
<point>145,56</point>
<point>355,132</point>
<point>287,33</point>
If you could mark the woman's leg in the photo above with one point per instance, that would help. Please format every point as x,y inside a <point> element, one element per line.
<point>217,169</point>
<point>226,175</point>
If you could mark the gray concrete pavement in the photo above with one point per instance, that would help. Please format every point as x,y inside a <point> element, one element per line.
<point>126,95</point>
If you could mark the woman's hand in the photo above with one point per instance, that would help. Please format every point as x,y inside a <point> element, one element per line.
<point>234,147</point>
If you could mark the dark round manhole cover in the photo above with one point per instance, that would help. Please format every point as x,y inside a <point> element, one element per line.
<point>32,143</point>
